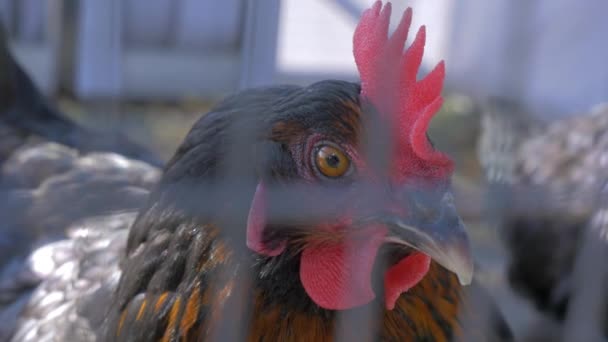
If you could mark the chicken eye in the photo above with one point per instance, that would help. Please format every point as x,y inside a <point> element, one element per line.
<point>331,161</point>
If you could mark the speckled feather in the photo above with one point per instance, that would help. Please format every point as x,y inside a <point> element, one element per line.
<point>547,185</point>
<point>436,309</point>
<point>77,238</point>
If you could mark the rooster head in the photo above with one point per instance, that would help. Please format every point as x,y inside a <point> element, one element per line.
<point>372,186</point>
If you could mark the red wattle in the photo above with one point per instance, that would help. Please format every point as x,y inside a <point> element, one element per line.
<point>403,276</point>
<point>338,276</point>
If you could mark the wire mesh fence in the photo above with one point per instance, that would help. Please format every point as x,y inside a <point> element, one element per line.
<point>214,181</point>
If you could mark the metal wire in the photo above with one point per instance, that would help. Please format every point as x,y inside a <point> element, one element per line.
<point>303,205</point>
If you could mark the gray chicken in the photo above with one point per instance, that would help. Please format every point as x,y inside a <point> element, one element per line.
<point>58,180</point>
<point>547,186</point>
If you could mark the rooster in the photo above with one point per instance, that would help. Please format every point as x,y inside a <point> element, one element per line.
<point>548,193</point>
<point>289,213</point>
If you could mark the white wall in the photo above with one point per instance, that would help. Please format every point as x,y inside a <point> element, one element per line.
<point>315,36</point>
<point>550,54</point>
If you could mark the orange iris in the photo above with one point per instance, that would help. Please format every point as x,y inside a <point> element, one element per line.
<point>331,161</point>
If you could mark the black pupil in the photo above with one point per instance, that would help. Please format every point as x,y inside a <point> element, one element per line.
<point>333,161</point>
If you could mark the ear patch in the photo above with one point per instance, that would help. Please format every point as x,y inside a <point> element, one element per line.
<point>256,223</point>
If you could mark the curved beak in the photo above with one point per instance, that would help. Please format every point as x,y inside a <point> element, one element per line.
<point>436,231</point>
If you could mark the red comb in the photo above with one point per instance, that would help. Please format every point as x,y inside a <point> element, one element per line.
<point>388,80</point>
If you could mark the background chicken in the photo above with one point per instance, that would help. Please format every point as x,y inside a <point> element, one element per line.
<point>26,114</point>
<point>56,177</point>
<point>298,187</point>
<point>547,183</point>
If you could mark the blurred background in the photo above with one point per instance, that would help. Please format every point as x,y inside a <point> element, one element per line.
<point>183,55</point>
<point>150,68</point>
